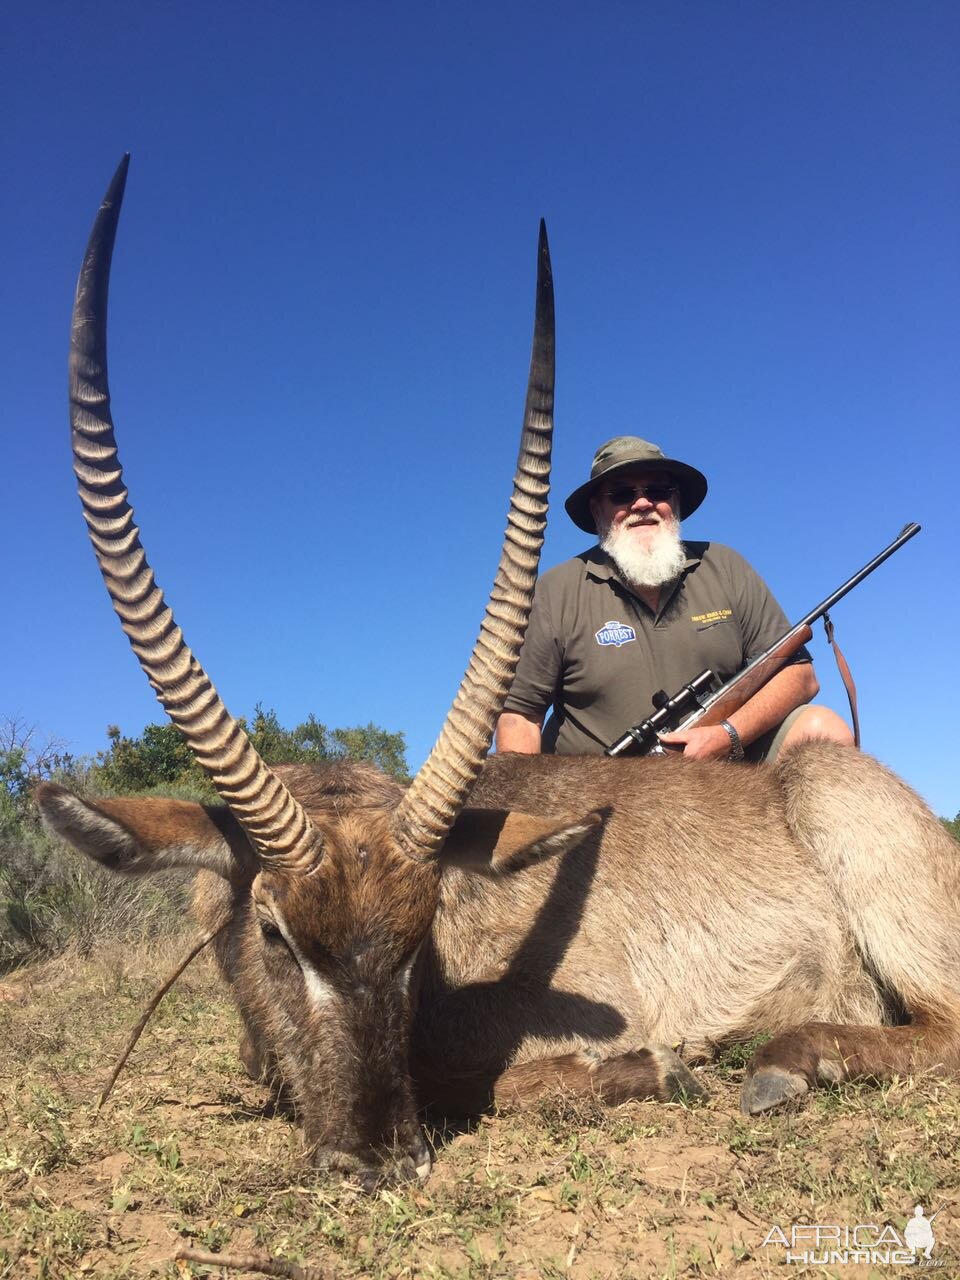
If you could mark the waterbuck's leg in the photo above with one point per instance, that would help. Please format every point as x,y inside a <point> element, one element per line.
<point>824,1053</point>
<point>653,1072</point>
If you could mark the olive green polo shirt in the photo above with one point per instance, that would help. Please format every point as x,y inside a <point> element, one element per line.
<point>597,654</point>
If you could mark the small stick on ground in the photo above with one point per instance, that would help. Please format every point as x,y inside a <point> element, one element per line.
<point>158,995</point>
<point>261,1262</point>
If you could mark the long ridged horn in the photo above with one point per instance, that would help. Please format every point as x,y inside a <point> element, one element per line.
<point>277,825</point>
<point>443,783</point>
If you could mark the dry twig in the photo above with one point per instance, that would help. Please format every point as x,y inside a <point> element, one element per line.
<point>261,1262</point>
<point>158,995</point>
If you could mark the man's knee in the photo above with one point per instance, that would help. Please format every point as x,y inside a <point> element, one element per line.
<point>819,722</point>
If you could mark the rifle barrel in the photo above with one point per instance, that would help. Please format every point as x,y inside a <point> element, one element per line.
<point>906,533</point>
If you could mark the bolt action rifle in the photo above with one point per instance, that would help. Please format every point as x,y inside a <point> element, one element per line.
<point>695,704</point>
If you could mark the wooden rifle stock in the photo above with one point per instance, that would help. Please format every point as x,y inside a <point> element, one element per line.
<point>741,687</point>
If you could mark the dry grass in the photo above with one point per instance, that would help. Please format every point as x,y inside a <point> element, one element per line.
<point>51,901</point>
<point>187,1152</point>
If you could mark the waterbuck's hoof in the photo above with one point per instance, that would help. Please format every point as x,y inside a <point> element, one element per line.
<point>769,1087</point>
<point>679,1082</point>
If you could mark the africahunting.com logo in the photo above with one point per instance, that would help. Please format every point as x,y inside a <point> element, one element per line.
<point>832,1244</point>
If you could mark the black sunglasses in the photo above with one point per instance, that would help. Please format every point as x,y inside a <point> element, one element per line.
<point>627,494</point>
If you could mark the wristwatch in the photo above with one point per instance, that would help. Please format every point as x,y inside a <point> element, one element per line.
<point>736,746</point>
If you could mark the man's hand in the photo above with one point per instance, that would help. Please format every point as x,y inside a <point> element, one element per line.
<point>789,688</point>
<point>709,743</point>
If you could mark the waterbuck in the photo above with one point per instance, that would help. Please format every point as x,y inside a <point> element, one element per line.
<point>392,950</point>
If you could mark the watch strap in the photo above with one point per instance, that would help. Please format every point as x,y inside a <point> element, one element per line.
<point>736,746</point>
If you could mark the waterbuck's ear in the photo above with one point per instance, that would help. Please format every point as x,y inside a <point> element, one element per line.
<point>501,841</point>
<point>139,836</point>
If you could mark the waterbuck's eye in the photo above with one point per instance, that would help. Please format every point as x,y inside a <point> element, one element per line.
<point>270,931</point>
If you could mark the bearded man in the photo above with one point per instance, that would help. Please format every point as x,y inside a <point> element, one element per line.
<point>645,611</point>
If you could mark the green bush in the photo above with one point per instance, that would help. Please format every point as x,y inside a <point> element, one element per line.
<point>23,763</point>
<point>313,743</point>
<point>160,757</point>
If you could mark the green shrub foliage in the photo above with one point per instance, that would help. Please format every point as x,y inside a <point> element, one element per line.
<point>312,743</point>
<point>160,758</point>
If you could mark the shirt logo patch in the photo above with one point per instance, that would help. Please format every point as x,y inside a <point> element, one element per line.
<point>711,617</point>
<point>616,633</point>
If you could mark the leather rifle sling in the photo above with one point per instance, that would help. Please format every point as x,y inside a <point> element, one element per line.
<point>845,676</point>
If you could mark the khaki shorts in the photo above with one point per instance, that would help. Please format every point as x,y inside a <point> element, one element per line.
<point>767,746</point>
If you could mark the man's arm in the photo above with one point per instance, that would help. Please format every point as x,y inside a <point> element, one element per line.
<point>516,732</point>
<point>788,689</point>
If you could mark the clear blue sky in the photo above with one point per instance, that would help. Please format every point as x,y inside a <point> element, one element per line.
<point>321,315</point>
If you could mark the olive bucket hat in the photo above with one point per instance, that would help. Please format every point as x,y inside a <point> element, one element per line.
<point>630,453</point>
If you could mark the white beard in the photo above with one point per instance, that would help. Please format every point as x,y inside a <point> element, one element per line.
<point>654,564</point>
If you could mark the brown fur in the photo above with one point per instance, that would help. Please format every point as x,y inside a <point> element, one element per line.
<point>693,903</point>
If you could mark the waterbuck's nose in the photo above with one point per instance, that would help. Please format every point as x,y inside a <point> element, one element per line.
<point>415,1164</point>
<point>376,1167</point>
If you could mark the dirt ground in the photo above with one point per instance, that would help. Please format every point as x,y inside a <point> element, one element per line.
<point>188,1154</point>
